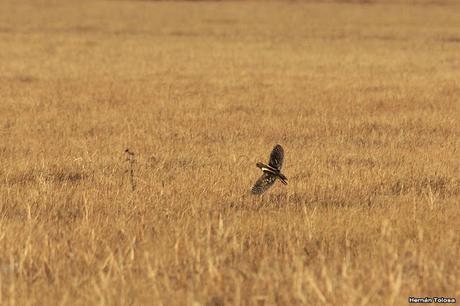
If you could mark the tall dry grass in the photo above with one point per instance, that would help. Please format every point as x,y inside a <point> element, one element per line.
<point>364,98</point>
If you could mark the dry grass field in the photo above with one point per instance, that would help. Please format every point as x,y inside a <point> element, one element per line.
<point>364,98</point>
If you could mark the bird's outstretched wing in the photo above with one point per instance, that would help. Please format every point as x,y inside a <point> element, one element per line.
<point>276,157</point>
<point>263,183</point>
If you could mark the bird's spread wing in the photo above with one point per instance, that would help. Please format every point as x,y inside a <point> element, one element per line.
<point>263,183</point>
<point>276,157</point>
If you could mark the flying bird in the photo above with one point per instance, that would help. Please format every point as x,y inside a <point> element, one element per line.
<point>271,172</point>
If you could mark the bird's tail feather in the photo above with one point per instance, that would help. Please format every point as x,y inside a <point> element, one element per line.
<point>283,179</point>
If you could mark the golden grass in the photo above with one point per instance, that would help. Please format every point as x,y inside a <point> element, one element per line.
<point>364,99</point>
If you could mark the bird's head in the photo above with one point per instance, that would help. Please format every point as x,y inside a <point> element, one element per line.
<point>260,165</point>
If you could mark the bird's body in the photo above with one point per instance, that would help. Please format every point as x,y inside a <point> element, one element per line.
<point>271,172</point>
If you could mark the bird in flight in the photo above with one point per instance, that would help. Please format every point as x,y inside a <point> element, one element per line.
<point>271,172</point>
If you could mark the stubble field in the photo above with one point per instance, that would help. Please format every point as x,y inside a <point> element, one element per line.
<point>363,97</point>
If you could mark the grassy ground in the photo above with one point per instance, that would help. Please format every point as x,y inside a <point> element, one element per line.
<point>364,98</point>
